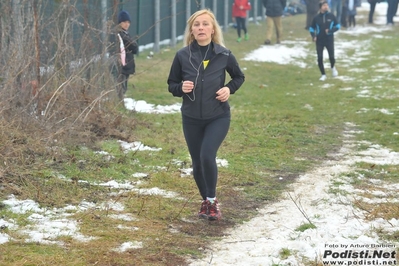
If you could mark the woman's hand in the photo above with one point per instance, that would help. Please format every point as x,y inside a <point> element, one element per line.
<point>223,94</point>
<point>187,86</point>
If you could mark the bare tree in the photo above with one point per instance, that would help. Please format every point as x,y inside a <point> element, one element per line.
<point>54,62</point>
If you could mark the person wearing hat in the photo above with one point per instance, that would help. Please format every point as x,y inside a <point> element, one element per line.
<point>322,30</point>
<point>128,48</point>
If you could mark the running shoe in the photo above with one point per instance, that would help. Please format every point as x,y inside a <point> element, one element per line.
<point>204,211</point>
<point>214,211</point>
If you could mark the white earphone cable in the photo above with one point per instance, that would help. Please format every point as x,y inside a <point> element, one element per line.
<point>197,69</point>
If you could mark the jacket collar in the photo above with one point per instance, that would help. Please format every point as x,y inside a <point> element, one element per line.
<point>194,46</point>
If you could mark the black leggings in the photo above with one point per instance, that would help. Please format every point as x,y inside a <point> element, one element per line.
<point>351,21</point>
<point>241,25</point>
<point>122,88</point>
<point>371,12</point>
<point>204,138</point>
<point>330,49</point>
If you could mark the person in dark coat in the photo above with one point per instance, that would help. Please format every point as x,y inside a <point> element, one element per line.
<point>312,8</point>
<point>274,13</point>
<point>344,16</point>
<point>128,49</point>
<point>391,11</point>
<point>336,8</point>
<point>322,30</point>
<point>372,3</point>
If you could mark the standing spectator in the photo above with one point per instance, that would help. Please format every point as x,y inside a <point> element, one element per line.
<point>372,3</point>
<point>344,17</point>
<point>391,11</point>
<point>197,75</point>
<point>312,8</point>
<point>274,13</point>
<point>239,12</point>
<point>336,8</point>
<point>352,5</point>
<point>128,49</point>
<point>322,31</point>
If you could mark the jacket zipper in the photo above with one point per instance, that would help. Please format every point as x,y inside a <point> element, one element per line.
<point>202,89</point>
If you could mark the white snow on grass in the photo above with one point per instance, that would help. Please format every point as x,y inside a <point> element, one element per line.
<point>115,184</point>
<point>136,146</point>
<point>123,217</point>
<point>381,110</point>
<point>288,53</point>
<point>376,154</point>
<point>184,172</point>
<point>46,224</point>
<point>144,107</point>
<point>128,245</point>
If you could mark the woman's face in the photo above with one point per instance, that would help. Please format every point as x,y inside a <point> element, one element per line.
<point>202,29</point>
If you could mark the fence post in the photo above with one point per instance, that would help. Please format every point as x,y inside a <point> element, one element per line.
<point>255,10</point>
<point>226,15</point>
<point>188,9</point>
<point>104,28</point>
<point>157,26</point>
<point>37,40</point>
<point>138,23</point>
<point>18,29</point>
<point>173,30</point>
<point>202,4</point>
<point>263,13</point>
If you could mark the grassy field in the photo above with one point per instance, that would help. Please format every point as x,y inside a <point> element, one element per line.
<point>273,134</point>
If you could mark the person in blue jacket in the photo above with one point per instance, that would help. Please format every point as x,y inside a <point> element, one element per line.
<point>322,30</point>
<point>198,76</point>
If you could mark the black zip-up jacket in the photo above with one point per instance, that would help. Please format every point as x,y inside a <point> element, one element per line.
<point>274,8</point>
<point>131,49</point>
<point>320,23</point>
<point>204,104</point>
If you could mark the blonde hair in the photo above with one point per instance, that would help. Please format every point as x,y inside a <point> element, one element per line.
<point>217,36</point>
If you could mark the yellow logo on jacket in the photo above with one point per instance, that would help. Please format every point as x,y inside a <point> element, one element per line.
<point>206,63</point>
